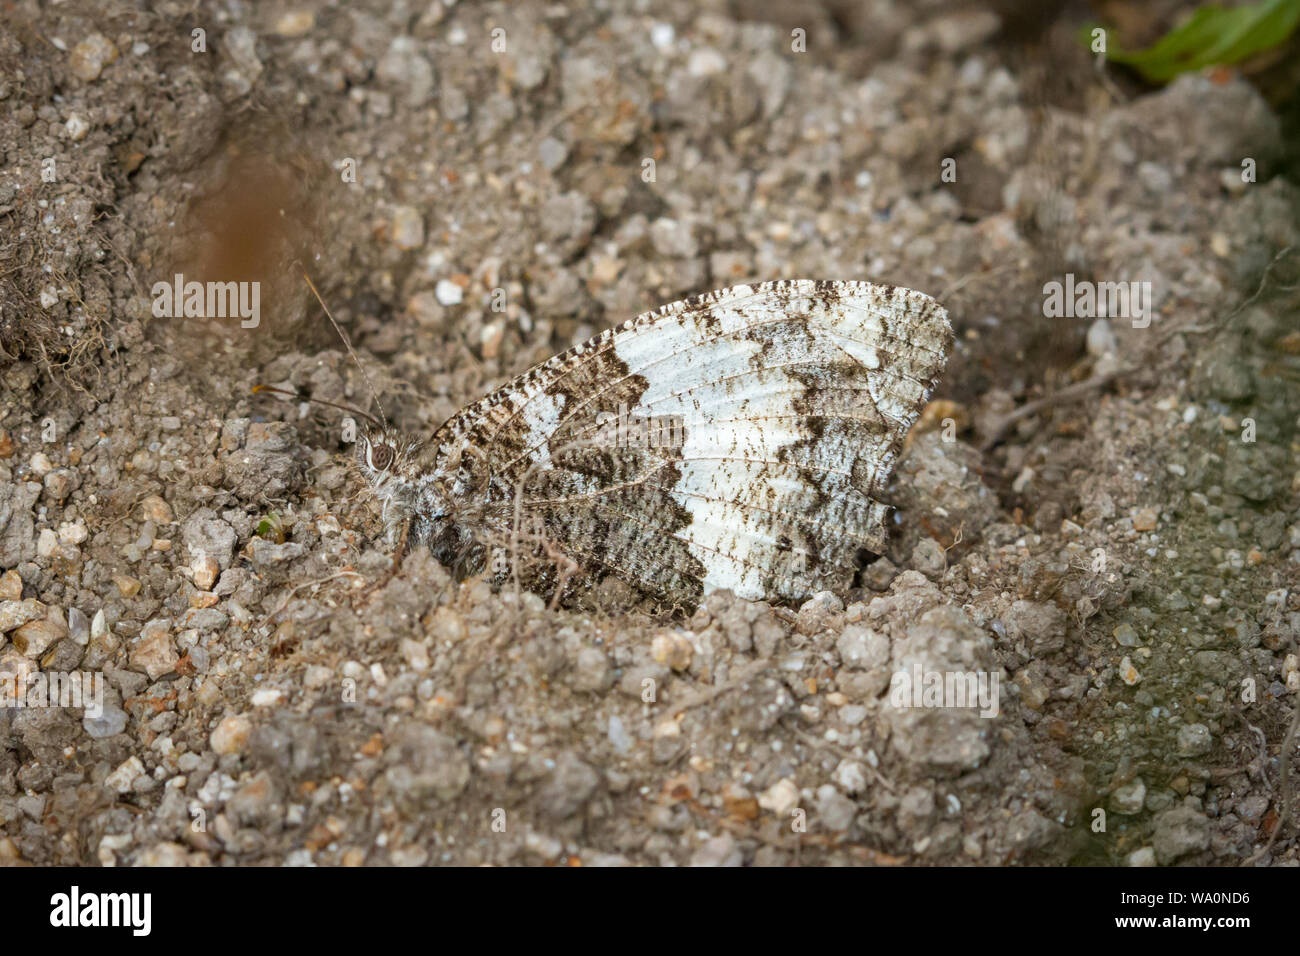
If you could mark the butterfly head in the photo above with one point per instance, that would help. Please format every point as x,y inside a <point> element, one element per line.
<point>387,460</point>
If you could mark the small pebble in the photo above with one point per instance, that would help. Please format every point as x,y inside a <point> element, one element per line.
<point>850,776</point>
<point>127,585</point>
<point>35,637</point>
<point>407,228</point>
<point>78,626</point>
<point>1194,740</point>
<point>15,613</point>
<point>77,127</point>
<point>155,509</point>
<point>416,654</point>
<point>91,55</point>
<point>11,586</point>
<point>121,778</point>
<point>47,542</point>
<point>1126,635</point>
<point>448,292</point>
<point>231,735</point>
<point>1145,856</point>
<point>205,570</point>
<point>295,23</point>
<point>1130,798</point>
<point>73,532</point>
<point>673,650</point>
<point>780,798</point>
<point>155,651</point>
<point>108,724</point>
<point>718,851</point>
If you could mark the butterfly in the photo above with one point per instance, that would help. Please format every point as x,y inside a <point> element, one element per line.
<point>740,440</point>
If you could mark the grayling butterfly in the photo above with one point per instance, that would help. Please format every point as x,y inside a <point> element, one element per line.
<point>740,439</point>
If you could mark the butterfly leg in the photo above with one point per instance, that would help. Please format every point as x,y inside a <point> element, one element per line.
<point>403,539</point>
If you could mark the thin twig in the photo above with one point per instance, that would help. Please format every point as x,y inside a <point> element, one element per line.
<point>308,584</point>
<point>1288,745</point>
<point>1071,393</point>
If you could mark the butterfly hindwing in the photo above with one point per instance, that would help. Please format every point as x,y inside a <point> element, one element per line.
<point>739,439</point>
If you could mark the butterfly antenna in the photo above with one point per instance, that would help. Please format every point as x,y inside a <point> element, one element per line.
<point>348,345</point>
<point>317,401</point>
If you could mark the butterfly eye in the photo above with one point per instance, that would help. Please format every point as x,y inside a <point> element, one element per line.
<point>381,456</point>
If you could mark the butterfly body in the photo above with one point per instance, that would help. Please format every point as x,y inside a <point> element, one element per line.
<point>740,439</point>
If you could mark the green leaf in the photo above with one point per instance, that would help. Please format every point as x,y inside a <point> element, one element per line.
<point>272,528</point>
<point>1213,36</point>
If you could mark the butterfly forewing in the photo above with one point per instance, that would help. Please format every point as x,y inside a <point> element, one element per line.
<point>740,439</point>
